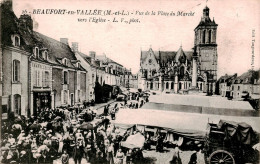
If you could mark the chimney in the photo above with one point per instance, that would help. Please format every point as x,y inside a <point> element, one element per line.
<point>92,54</point>
<point>75,46</point>
<point>8,4</point>
<point>26,22</point>
<point>64,40</point>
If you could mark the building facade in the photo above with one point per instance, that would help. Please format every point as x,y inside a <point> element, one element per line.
<point>14,64</point>
<point>247,84</point>
<point>183,71</point>
<point>36,71</point>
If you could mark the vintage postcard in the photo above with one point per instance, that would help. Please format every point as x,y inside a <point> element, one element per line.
<point>128,82</point>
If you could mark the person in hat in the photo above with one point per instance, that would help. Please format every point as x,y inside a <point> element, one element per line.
<point>113,113</point>
<point>12,156</point>
<point>5,151</point>
<point>119,156</point>
<point>110,153</point>
<point>78,152</point>
<point>176,157</point>
<point>129,156</point>
<point>65,157</point>
<point>23,158</point>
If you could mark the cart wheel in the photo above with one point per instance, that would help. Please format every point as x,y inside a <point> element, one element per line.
<point>221,157</point>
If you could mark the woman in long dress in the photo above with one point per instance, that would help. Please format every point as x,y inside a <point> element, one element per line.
<point>119,156</point>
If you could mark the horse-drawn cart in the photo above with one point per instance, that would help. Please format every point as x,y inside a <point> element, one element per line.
<point>230,143</point>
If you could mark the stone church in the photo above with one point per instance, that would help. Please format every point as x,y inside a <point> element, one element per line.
<point>183,71</point>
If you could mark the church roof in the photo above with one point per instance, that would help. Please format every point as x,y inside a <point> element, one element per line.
<point>165,56</point>
<point>205,20</point>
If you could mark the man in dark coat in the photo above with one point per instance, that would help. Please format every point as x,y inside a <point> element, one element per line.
<point>78,152</point>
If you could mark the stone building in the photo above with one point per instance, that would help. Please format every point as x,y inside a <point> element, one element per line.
<point>183,71</point>
<point>247,84</point>
<point>14,63</point>
<point>224,85</point>
<point>38,71</point>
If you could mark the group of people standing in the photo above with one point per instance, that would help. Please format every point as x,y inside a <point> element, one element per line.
<point>57,134</point>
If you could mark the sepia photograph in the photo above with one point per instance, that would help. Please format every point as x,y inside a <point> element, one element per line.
<point>129,82</point>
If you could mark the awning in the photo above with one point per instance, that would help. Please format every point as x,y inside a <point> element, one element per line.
<point>134,141</point>
<point>192,125</point>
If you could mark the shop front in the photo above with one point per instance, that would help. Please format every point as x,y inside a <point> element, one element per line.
<point>41,100</point>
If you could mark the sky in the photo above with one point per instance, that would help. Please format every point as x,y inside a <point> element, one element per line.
<point>122,42</point>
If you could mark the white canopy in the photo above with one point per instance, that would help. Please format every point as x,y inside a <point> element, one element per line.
<point>178,121</point>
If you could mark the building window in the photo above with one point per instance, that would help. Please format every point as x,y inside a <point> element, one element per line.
<point>16,41</point>
<point>45,55</point>
<point>65,62</point>
<point>36,52</point>
<point>167,85</point>
<point>203,36</point>
<point>238,88</point>
<point>209,36</point>
<point>16,71</point>
<point>172,85</point>
<point>17,104</point>
<point>182,71</point>
<point>65,96</point>
<point>46,79</point>
<point>65,77</point>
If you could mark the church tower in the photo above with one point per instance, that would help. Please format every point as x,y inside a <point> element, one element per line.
<point>206,47</point>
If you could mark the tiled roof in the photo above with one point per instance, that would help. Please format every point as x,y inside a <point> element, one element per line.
<point>166,56</point>
<point>88,60</point>
<point>30,39</point>
<point>248,77</point>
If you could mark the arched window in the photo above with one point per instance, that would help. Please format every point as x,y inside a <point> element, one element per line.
<point>209,36</point>
<point>182,71</point>
<point>151,86</point>
<point>36,52</point>
<point>45,55</point>
<point>16,70</point>
<point>204,36</point>
<point>65,62</point>
<point>16,41</point>
<point>175,70</point>
<point>172,84</point>
<point>65,77</point>
<point>147,85</point>
<point>167,85</point>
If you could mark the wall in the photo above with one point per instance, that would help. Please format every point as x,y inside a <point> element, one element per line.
<point>57,84</point>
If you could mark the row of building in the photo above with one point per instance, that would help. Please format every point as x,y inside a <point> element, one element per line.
<point>38,71</point>
<point>247,84</point>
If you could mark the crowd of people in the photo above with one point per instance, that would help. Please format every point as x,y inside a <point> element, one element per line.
<point>62,134</point>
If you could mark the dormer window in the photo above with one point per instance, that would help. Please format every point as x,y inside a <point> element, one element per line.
<point>36,51</point>
<point>65,62</point>
<point>78,65</point>
<point>45,55</point>
<point>16,40</point>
